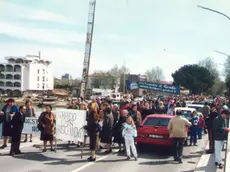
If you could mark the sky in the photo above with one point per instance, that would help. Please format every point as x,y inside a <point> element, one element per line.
<point>138,33</point>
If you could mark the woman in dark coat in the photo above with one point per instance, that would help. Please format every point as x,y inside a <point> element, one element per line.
<point>47,121</point>
<point>92,124</point>
<point>7,111</point>
<point>118,138</point>
<point>107,128</point>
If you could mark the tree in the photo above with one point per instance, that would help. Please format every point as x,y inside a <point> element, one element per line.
<point>227,67</point>
<point>210,65</point>
<point>103,80</point>
<point>194,77</point>
<point>155,74</point>
<point>218,86</point>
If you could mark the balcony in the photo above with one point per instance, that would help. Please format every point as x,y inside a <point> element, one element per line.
<point>2,76</point>
<point>17,85</point>
<point>9,68</point>
<point>17,77</point>
<point>2,84</point>
<point>2,68</point>
<point>9,84</point>
<point>17,68</point>
<point>9,77</point>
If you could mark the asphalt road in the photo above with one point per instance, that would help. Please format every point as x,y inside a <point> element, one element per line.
<point>68,159</point>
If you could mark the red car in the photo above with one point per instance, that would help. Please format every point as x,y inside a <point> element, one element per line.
<point>153,130</point>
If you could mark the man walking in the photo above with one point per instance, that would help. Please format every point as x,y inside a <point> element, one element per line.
<point>178,132</point>
<point>209,123</point>
<point>220,131</point>
<point>17,124</point>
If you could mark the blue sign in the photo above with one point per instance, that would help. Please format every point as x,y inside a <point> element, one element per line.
<point>173,89</point>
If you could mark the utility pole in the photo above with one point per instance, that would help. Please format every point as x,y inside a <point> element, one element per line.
<point>88,46</point>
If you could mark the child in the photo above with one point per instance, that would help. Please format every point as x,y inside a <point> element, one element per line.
<point>201,125</point>
<point>129,132</point>
<point>193,129</point>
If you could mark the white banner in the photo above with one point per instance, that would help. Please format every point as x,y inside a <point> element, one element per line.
<point>30,126</point>
<point>69,124</point>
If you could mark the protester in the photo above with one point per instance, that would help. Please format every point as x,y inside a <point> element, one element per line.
<point>178,132</point>
<point>29,113</point>
<point>47,120</point>
<point>92,128</point>
<point>201,125</point>
<point>205,111</point>
<point>118,138</point>
<point>8,110</point>
<point>209,123</point>
<point>136,115</point>
<point>220,131</point>
<point>107,128</point>
<point>194,129</point>
<point>129,132</point>
<point>17,124</point>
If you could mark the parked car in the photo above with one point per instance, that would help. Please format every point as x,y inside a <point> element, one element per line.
<point>185,111</point>
<point>198,107</point>
<point>153,130</point>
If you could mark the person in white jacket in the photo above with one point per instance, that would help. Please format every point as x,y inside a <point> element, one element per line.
<point>129,132</point>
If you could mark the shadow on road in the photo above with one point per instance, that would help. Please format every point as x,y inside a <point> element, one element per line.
<point>158,162</point>
<point>35,156</point>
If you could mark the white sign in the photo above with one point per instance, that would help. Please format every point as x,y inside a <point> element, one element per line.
<point>70,124</point>
<point>30,126</point>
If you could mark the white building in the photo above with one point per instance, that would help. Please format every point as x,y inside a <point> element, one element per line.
<point>25,73</point>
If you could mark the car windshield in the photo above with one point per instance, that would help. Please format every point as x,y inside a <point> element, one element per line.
<point>157,122</point>
<point>198,109</point>
<point>186,113</point>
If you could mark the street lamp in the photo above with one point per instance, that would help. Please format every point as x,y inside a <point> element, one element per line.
<point>209,9</point>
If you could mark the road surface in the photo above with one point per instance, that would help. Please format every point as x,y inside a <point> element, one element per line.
<point>67,159</point>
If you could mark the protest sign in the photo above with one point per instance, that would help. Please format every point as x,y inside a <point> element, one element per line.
<point>69,124</point>
<point>30,126</point>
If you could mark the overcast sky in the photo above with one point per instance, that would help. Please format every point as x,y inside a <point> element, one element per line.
<point>139,33</point>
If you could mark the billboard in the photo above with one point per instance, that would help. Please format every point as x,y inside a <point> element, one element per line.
<point>173,89</point>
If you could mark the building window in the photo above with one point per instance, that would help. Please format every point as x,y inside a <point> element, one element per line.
<point>38,78</point>
<point>43,86</point>
<point>46,85</point>
<point>38,86</point>
<point>38,71</point>
<point>46,78</point>
<point>43,71</point>
<point>43,79</point>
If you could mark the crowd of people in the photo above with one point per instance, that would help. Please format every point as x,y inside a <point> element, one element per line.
<point>108,123</point>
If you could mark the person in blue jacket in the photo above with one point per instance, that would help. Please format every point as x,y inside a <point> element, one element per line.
<point>194,129</point>
<point>6,115</point>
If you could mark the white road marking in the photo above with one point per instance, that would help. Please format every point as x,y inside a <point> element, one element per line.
<point>88,164</point>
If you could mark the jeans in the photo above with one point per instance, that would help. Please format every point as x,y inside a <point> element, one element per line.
<point>199,132</point>
<point>178,147</point>
<point>218,149</point>
<point>193,136</point>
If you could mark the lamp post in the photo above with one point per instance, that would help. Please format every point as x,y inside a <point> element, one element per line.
<point>209,9</point>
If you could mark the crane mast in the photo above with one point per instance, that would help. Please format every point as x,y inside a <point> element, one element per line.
<point>88,46</point>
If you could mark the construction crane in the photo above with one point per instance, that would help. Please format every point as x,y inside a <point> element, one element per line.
<point>88,46</point>
<point>222,53</point>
